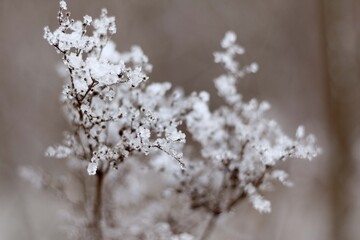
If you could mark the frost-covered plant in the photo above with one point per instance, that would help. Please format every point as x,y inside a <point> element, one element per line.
<point>240,146</point>
<point>113,111</point>
<point>119,120</point>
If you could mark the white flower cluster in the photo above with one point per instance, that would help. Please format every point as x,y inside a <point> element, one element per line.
<point>112,109</point>
<point>116,115</point>
<point>241,147</point>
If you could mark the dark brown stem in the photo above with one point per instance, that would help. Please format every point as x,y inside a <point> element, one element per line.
<point>93,84</point>
<point>210,226</point>
<point>97,207</point>
<point>235,201</point>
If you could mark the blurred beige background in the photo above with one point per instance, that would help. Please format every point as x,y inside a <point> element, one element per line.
<point>308,52</point>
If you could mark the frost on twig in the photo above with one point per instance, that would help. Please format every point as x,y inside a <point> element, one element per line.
<point>240,147</point>
<point>119,120</point>
<point>111,108</point>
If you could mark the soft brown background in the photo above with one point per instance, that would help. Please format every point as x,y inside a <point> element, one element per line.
<point>308,53</point>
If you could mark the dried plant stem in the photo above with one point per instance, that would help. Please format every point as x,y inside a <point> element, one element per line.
<point>210,226</point>
<point>97,207</point>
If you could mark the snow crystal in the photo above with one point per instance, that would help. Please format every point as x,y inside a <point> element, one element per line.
<point>300,132</point>
<point>63,5</point>
<point>92,168</point>
<point>87,19</point>
<point>229,39</point>
<point>58,151</point>
<point>253,68</point>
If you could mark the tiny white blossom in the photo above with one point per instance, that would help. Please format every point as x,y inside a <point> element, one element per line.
<point>300,132</point>
<point>58,151</point>
<point>92,167</point>
<point>87,19</point>
<point>253,68</point>
<point>63,5</point>
<point>229,39</point>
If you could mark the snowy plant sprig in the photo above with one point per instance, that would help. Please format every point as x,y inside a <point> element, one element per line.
<point>115,114</point>
<point>240,147</point>
<point>112,110</point>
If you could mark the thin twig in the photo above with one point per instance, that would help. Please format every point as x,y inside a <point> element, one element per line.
<point>209,228</point>
<point>97,207</point>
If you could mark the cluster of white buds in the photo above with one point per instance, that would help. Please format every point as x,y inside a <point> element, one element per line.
<point>112,109</point>
<point>241,147</point>
<point>119,120</point>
